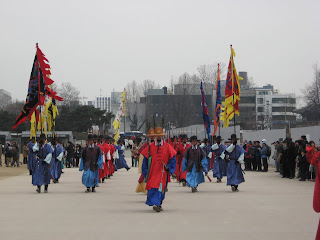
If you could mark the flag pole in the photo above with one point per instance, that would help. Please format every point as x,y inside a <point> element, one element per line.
<point>234,116</point>
<point>232,79</point>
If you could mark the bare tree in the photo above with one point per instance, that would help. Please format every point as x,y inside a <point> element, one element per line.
<point>209,72</point>
<point>146,85</point>
<point>312,92</point>
<point>134,92</point>
<point>69,93</point>
<point>251,83</point>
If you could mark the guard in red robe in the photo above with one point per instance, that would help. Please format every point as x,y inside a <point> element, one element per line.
<point>108,157</point>
<point>158,163</point>
<point>182,148</point>
<point>113,155</point>
<point>316,196</point>
<point>102,173</point>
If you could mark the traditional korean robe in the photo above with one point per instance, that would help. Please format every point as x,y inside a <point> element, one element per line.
<point>41,173</point>
<point>156,158</point>
<point>91,161</point>
<point>316,200</point>
<point>56,166</point>
<point>121,162</point>
<point>219,167</point>
<point>194,164</point>
<point>102,172</point>
<point>31,156</point>
<point>182,148</point>
<point>234,171</point>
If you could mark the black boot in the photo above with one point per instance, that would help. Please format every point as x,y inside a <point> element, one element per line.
<point>30,172</point>
<point>38,189</point>
<point>46,189</point>
<point>93,189</point>
<point>157,208</point>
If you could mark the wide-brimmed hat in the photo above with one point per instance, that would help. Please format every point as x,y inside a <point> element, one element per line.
<point>90,136</point>
<point>150,132</point>
<point>159,132</point>
<point>95,137</point>
<point>233,136</point>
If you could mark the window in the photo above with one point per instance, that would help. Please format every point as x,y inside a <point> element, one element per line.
<point>260,100</point>
<point>284,100</point>
<point>249,99</point>
<point>260,109</point>
<point>263,93</point>
<point>283,109</point>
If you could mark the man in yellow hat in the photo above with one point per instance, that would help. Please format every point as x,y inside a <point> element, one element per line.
<point>158,163</point>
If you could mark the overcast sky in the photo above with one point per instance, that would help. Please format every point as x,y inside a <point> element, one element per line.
<point>106,44</point>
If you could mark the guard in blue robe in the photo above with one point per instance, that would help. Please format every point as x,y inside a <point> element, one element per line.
<point>195,162</point>
<point>206,146</point>
<point>41,174</point>
<point>56,167</point>
<point>31,155</point>
<point>120,161</point>
<point>91,162</point>
<point>219,168</point>
<point>236,158</point>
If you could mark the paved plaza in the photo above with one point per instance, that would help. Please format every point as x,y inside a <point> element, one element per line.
<point>267,207</point>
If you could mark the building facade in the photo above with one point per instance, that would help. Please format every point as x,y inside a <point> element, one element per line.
<point>180,110</point>
<point>5,98</point>
<point>263,107</point>
<point>274,110</point>
<point>103,103</point>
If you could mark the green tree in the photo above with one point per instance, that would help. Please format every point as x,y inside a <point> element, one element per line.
<point>81,118</point>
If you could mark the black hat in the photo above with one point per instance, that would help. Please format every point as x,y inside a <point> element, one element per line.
<point>106,137</point>
<point>90,137</point>
<point>218,138</point>
<point>95,136</point>
<point>109,138</point>
<point>233,136</point>
<point>183,136</point>
<point>193,138</point>
<point>205,140</point>
<point>43,136</point>
<point>100,136</point>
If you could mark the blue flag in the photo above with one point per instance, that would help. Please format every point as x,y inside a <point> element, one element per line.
<point>218,104</point>
<point>205,114</point>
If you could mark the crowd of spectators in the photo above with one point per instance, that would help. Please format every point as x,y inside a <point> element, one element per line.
<point>298,159</point>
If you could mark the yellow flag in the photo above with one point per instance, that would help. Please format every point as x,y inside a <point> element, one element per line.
<point>33,131</point>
